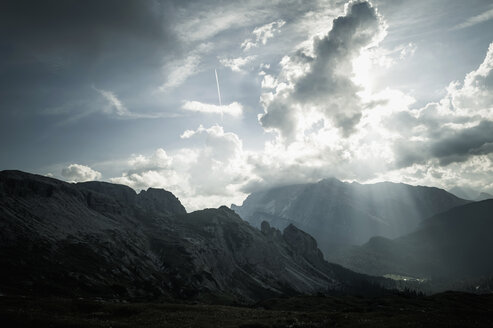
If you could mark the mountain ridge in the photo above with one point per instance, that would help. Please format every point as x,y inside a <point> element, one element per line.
<point>451,246</point>
<point>339,213</point>
<point>102,239</point>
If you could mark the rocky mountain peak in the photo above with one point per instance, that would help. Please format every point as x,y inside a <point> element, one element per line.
<point>123,194</point>
<point>227,210</point>
<point>20,184</point>
<point>269,231</point>
<point>330,181</point>
<point>302,243</point>
<point>161,201</point>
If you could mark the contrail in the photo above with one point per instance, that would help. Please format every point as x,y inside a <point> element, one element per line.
<point>218,90</point>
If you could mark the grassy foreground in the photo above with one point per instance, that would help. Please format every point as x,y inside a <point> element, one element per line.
<point>441,310</point>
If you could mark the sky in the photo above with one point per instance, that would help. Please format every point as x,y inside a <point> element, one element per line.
<point>126,92</point>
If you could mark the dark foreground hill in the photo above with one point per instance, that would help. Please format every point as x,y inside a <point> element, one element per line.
<point>451,246</point>
<point>338,213</point>
<point>101,239</point>
<point>442,310</point>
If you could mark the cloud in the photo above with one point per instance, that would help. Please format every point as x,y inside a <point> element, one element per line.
<point>458,127</point>
<point>115,105</point>
<point>208,22</point>
<point>219,145</point>
<point>446,143</point>
<point>179,70</point>
<point>315,94</point>
<point>388,139</point>
<point>236,64</point>
<point>457,146</point>
<point>155,170</point>
<point>234,109</point>
<point>474,96</point>
<point>478,19</point>
<point>473,173</point>
<point>159,160</point>
<point>262,34</point>
<point>448,146</point>
<point>269,82</point>
<point>408,50</point>
<point>321,85</point>
<point>206,175</point>
<point>80,173</point>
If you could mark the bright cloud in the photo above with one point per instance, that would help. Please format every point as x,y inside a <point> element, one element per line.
<point>236,64</point>
<point>455,129</point>
<point>328,120</point>
<point>262,34</point>
<point>320,86</point>
<point>80,173</point>
<point>328,93</point>
<point>114,104</point>
<point>483,17</point>
<point>234,109</point>
<point>179,70</point>
<point>204,176</point>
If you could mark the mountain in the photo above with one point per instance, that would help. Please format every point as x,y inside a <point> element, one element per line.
<point>470,194</point>
<point>453,245</point>
<point>484,196</point>
<point>338,213</point>
<point>102,239</point>
<point>464,192</point>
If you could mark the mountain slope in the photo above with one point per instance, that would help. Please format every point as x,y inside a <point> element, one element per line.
<point>335,212</point>
<point>452,245</point>
<point>103,239</point>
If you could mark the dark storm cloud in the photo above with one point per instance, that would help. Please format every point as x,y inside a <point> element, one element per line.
<point>460,145</point>
<point>52,52</point>
<point>447,146</point>
<point>334,52</point>
<point>327,83</point>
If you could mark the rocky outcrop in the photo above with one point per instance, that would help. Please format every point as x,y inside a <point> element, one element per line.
<point>303,244</point>
<point>160,201</point>
<point>101,239</point>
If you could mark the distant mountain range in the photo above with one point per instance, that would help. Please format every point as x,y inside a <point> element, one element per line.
<point>470,194</point>
<point>338,213</point>
<point>451,246</point>
<point>484,196</point>
<point>102,239</point>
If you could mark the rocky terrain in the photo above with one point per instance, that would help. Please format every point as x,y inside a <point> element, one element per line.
<point>105,240</point>
<point>338,213</point>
